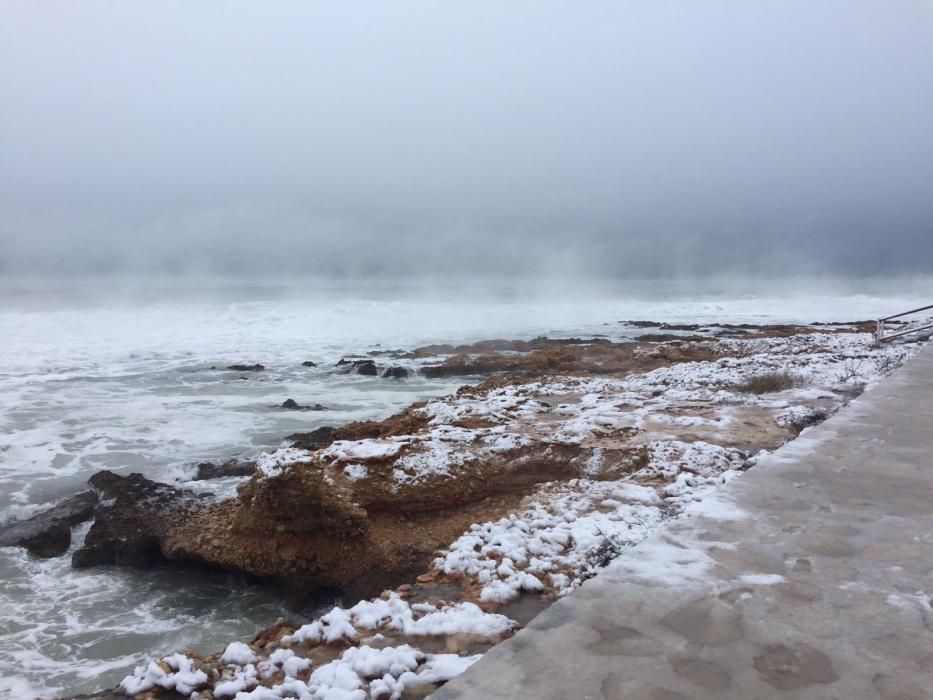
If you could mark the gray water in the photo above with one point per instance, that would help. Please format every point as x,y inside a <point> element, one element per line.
<point>92,380</point>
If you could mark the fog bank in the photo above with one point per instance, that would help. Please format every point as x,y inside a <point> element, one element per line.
<point>611,140</point>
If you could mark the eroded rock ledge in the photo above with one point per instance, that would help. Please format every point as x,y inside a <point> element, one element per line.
<point>597,463</point>
<point>48,534</point>
<point>367,504</point>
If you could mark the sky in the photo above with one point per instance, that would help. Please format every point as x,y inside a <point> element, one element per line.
<point>601,139</point>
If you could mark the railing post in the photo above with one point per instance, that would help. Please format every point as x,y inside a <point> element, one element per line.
<point>879,331</point>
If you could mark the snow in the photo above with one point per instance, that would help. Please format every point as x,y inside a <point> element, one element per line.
<point>716,506</point>
<point>285,660</point>
<point>554,542</point>
<point>368,672</point>
<point>182,677</point>
<point>273,464</point>
<point>240,680</point>
<point>446,447</point>
<point>443,667</point>
<point>565,532</point>
<point>355,472</point>
<point>497,404</point>
<point>761,579</point>
<point>638,494</point>
<point>356,450</point>
<point>798,415</point>
<point>916,605</point>
<point>662,563</point>
<point>700,398</point>
<point>238,653</point>
<point>395,614</point>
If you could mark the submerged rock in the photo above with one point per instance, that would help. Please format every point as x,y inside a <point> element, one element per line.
<point>368,368</point>
<point>396,373</point>
<point>293,405</point>
<point>48,534</point>
<point>364,367</point>
<point>308,363</point>
<point>247,368</point>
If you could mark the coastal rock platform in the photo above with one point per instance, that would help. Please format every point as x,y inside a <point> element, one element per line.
<point>810,577</point>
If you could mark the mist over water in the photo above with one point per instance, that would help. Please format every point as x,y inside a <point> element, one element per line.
<point>648,140</point>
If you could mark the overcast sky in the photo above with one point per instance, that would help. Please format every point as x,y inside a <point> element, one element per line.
<point>604,138</point>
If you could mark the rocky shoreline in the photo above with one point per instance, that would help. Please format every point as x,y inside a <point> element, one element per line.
<point>448,525</point>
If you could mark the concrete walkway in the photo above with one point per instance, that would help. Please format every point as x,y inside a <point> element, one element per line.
<point>810,576</point>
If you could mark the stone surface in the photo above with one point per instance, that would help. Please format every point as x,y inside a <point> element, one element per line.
<point>808,577</point>
<point>133,516</point>
<point>232,467</point>
<point>292,405</point>
<point>364,367</point>
<point>247,368</point>
<point>396,373</point>
<point>314,440</point>
<point>48,534</point>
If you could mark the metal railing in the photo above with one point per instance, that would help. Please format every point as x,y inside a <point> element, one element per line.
<point>881,331</point>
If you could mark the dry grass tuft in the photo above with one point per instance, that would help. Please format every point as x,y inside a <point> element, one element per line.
<point>769,382</point>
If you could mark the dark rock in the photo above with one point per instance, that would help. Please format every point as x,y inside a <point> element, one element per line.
<point>232,467</point>
<point>116,694</point>
<point>440,371</point>
<point>366,367</point>
<point>48,534</point>
<point>315,440</point>
<point>669,337</point>
<point>595,340</point>
<point>126,530</point>
<point>308,363</point>
<point>293,405</point>
<point>396,373</point>
<point>247,368</point>
<point>680,327</point>
<point>847,323</point>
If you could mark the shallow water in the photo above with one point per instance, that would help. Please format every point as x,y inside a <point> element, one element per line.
<point>93,381</point>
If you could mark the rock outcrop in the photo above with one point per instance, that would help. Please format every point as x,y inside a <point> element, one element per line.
<point>232,467</point>
<point>365,367</point>
<point>247,368</point>
<point>48,534</point>
<point>362,506</point>
<point>293,405</point>
<point>396,373</point>
<point>134,516</point>
<point>313,440</point>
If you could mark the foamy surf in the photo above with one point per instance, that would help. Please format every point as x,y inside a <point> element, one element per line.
<point>143,387</point>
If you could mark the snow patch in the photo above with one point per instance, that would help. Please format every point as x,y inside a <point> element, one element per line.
<point>272,464</point>
<point>238,653</point>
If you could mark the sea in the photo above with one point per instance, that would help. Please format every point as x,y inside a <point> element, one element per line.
<point>130,376</point>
